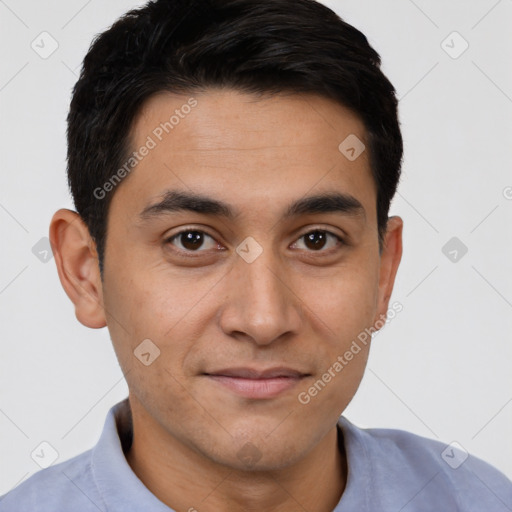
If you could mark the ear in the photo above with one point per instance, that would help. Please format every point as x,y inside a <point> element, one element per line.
<point>389,262</point>
<point>77,264</point>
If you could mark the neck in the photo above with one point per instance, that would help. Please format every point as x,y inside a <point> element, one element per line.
<point>186,480</point>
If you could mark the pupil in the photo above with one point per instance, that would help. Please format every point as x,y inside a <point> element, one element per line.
<point>192,239</point>
<point>315,240</point>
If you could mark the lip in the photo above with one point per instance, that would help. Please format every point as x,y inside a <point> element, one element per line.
<point>257,384</point>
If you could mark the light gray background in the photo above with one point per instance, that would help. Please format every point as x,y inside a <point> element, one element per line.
<point>440,369</point>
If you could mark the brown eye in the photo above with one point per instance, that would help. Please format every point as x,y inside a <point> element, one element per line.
<point>319,239</point>
<point>315,240</point>
<point>192,240</point>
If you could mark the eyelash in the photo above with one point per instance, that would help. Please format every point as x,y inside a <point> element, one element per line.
<point>194,254</point>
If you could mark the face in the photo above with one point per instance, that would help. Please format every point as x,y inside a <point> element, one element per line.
<point>271,280</point>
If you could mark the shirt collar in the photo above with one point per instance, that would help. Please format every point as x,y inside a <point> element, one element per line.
<point>118,485</point>
<point>358,486</point>
<point>122,490</point>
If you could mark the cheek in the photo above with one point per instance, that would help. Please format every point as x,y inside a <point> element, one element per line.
<point>344,302</point>
<point>167,309</point>
<point>150,332</point>
<point>346,381</point>
<point>145,300</point>
<point>340,308</point>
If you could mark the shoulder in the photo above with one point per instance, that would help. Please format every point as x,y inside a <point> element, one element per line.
<point>68,485</point>
<point>408,466</point>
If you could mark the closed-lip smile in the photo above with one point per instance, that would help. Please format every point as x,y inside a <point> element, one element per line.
<point>257,383</point>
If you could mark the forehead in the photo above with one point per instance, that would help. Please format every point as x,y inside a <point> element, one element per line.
<point>245,150</point>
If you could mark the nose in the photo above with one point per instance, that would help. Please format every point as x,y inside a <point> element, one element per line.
<point>260,303</point>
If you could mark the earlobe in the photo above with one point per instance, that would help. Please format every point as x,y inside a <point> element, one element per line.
<point>389,263</point>
<point>77,265</point>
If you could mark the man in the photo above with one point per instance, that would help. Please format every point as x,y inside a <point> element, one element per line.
<point>232,164</point>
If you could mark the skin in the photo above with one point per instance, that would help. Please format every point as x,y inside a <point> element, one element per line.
<point>293,306</point>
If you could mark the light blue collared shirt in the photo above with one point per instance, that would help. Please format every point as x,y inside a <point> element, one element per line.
<point>388,471</point>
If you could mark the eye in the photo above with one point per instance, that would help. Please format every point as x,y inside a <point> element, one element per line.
<point>195,240</point>
<point>317,240</point>
<point>191,240</point>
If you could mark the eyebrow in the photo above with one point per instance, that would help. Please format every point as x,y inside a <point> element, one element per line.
<point>178,201</point>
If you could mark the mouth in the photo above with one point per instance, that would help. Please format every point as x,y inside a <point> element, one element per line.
<point>257,384</point>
